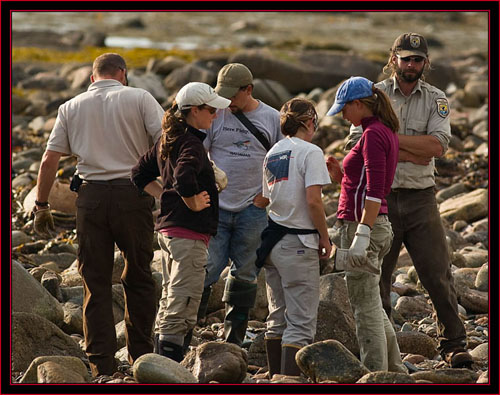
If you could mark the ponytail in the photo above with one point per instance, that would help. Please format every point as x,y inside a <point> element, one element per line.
<point>381,107</point>
<point>173,125</point>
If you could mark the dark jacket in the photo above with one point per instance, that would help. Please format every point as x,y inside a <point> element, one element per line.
<point>186,172</point>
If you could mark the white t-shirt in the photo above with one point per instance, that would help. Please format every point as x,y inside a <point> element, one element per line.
<point>237,151</point>
<point>290,167</point>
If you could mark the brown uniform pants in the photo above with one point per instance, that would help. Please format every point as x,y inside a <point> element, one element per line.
<point>416,222</point>
<point>109,214</point>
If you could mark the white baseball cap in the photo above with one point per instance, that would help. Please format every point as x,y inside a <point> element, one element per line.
<point>198,93</point>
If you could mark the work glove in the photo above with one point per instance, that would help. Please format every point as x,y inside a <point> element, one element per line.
<point>359,245</point>
<point>43,224</point>
<point>220,177</point>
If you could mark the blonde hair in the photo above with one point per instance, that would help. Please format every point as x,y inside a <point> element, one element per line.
<point>293,115</point>
<point>380,104</point>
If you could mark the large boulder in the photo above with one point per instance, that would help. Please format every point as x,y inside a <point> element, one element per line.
<point>335,316</point>
<point>61,198</point>
<point>34,336</point>
<point>329,360</point>
<point>221,362</point>
<point>29,296</point>
<point>468,207</point>
<point>157,369</point>
<point>72,364</point>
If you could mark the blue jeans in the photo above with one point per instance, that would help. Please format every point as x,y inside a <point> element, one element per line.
<point>238,237</point>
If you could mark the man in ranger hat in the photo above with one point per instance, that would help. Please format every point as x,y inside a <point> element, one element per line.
<point>240,153</point>
<point>424,134</point>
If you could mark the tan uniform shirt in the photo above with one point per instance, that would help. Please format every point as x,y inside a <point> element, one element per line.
<point>425,111</point>
<point>108,128</point>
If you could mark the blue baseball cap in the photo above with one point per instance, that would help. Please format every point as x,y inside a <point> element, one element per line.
<point>351,89</point>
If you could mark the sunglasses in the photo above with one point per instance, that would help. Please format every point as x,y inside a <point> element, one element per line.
<point>211,110</point>
<point>414,59</point>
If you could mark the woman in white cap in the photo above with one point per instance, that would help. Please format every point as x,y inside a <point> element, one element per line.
<point>189,209</point>
<point>363,227</point>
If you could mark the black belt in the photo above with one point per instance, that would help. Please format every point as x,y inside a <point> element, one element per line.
<point>116,181</point>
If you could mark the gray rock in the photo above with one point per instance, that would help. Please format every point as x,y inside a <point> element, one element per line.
<point>72,364</point>
<point>51,281</point>
<point>18,237</point>
<point>257,351</point>
<point>413,307</point>
<point>473,301</point>
<point>465,277</point>
<point>271,92</point>
<point>413,342</point>
<point>70,276</point>
<point>478,88</point>
<point>386,378</point>
<point>63,260</point>
<point>481,282</point>
<point>149,82</point>
<point>468,207</point>
<point>335,316</point>
<point>329,360</point>
<point>165,66</point>
<point>34,336</point>
<point>188,73</point>
<point>156,369</point>
<point>483,378</point>
<point>80,78</point>
<point>19,104</point>
<point>120,334</point>
<point>260,311</point>
<point>53,373</point>
<point>451,191</point>
<point>480,352</point>
<point>221,362</point>
<point>46,81</point>
<point>73,318</point>
<point>447,376</point>
<point>29,296</point>
<point>474,257</point>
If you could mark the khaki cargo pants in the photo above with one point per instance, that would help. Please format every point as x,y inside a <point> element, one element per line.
<point>379,350</point>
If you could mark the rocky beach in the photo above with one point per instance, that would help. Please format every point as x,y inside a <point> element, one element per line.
<point>304,54</point>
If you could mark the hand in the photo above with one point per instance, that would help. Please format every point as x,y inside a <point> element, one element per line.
<point>220,177</point>
<point>260,201</point>
<point>43,225</point>
<point>198,202</point>
<point>334,169</point>
<point>325,248</point>
<point>359,245</point>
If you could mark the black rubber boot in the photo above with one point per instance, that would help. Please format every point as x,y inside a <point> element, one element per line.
<point>170,350</point>
<point>187,341</point>
<point>239,297</point>
<point>273,353</point>
<point>205,296</point>
<point>288,365</point>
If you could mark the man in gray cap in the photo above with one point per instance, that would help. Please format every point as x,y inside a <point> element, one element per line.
<point>424,134</point>
<point>242,209</point>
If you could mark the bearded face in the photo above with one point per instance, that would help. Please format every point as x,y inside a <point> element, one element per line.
<point>408,72</point>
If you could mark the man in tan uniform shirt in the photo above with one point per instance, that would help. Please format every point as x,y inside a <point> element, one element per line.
<point>107,128</point>
<point>424,134</point>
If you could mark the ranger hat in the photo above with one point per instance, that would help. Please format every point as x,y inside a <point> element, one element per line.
<point>198,93</point>
<point>231,78</point>
<point>409,44</point>
<point>351,89</point>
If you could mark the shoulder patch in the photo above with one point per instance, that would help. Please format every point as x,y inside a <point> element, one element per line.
<point>443,108</point>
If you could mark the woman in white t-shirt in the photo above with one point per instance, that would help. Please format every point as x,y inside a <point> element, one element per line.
<point>296,237</point>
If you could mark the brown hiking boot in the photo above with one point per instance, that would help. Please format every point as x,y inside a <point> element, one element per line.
<point>459,359</point>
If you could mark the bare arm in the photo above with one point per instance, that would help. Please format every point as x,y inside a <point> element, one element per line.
<point>334,169</point>
<point>317,214</point>
<point>47,174</point>
<point>370,212</point>
<point>426,145</point>
<point>154,188</point>
<point>406,156</point>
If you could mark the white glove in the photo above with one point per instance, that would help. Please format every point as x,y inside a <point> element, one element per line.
<point>359,245</point>
<point>220,177</point>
